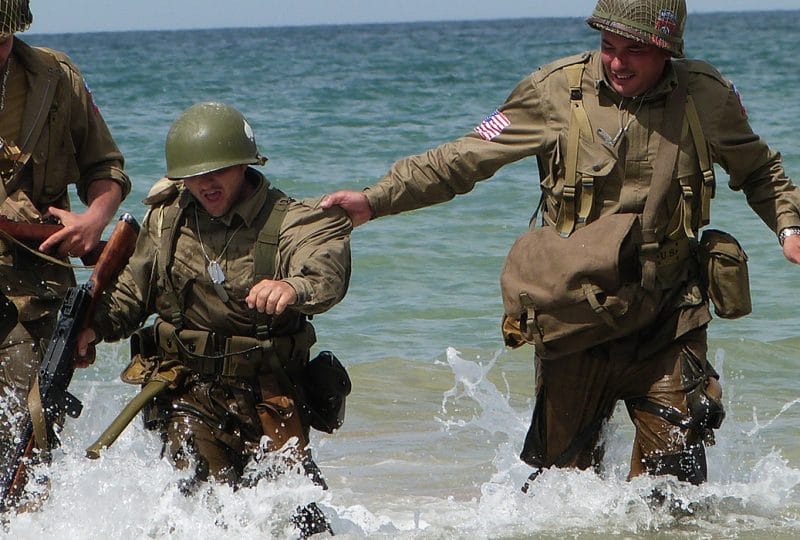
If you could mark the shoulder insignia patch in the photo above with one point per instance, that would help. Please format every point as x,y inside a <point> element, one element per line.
<point>95,108</point>
<point>492,126</point>
<point>739,97</point>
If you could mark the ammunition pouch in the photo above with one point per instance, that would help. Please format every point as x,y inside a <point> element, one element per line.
<point>326,385</point>
<point>725,274</point>
<point>209,354</point>
<point>568,294</point>
<point>144,357</point>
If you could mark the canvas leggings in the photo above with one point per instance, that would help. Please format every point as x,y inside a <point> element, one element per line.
<point>666,395</point>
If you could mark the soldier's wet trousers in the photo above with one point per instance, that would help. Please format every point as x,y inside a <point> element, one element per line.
<point>666,396</point>
<point>217,428</point>
<point>218,425</point>
<point>20,356</point>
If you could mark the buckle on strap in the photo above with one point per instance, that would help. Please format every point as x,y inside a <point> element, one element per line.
<point>648,253</point>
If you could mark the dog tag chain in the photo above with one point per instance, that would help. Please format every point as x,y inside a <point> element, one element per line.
<point>214,269</point>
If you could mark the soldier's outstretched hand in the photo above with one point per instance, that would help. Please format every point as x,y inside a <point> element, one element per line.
<point>355,203</point>
<point>791,248</point>
<point>272,297</point>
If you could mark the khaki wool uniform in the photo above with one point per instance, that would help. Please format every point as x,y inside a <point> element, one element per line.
<point>215,414</point>
<point>666,363</point>
<point>50,115</point>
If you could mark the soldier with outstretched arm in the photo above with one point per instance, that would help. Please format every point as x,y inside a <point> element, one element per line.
<point>631,129</point>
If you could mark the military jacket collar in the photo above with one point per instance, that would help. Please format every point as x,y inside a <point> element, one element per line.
<point>247,210</point>
<point>28,58</point>
<point>594,69</point>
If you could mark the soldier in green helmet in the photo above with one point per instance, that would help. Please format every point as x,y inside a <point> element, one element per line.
<point>233,269</point>
<point>632,129</point>
<point>52,135</point>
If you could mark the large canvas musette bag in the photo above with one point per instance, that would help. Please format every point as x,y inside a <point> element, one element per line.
<point>568,294</point>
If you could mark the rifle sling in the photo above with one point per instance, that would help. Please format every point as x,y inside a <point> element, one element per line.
<point>38,253</point>
<point>38,420</point>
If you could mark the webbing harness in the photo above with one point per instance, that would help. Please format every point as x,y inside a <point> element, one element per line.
<point>264,255</point>
<point>569,216</point>
<point>580,120</point>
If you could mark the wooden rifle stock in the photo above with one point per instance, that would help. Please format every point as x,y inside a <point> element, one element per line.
<point>51,400</point>
<point>33,234</point>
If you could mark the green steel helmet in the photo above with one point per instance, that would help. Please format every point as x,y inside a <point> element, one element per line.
<point>654,22</point>
<point>15,16</point>
<point>207,137</point>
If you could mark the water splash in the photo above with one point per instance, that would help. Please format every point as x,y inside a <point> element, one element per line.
<point>453,472</point>
<point>570,502</point>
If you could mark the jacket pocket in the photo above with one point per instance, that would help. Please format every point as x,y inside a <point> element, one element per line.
<point>594,162</point>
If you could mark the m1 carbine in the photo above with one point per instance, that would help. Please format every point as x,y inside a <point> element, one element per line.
<point>33,234</point>
<point>49,399</point>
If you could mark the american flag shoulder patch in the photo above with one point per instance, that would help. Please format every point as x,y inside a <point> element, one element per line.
<point>95,108</point>
<point>492,126</point>
<point>741,102</point>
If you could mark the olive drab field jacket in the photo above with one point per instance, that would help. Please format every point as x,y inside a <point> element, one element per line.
<point>535,121</point>
<point>313,255</point>
<point>62,130</point>
<point>610,163</point>
<point>68,142</point>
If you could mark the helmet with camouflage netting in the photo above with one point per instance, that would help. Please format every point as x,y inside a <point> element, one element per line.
<point>15,16</point>
<point>654,22</point>
<point>207,137</point>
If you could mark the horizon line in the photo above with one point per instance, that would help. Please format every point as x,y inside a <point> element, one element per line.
<point>33,31</point>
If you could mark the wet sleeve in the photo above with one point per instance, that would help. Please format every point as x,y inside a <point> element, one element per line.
<point>96,153</point>
<point>514,131</point>
<point>753,166</point>
<point>314,255</point>
<point>125,306</point>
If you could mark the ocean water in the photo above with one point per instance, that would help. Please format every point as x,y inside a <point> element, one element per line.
<point>439,408</point>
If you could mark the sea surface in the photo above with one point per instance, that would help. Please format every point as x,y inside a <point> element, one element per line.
<point>439,408</point>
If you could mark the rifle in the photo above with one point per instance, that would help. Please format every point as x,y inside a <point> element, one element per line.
<point>33,234</point>
<point>49,399</point>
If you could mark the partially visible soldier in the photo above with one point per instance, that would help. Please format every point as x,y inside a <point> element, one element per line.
<point>596,123</point>
<point>52,135</point>
<point>233,269</point>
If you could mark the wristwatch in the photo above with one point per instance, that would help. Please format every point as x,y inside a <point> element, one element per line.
<point>786,232</point>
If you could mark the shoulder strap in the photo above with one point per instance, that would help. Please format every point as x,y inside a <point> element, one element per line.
<point>266,251</point>
<point>706,167</point>
<point>170,219</point>
<point>663,171</point>
<point>266,248</point>
<point>578,123</point>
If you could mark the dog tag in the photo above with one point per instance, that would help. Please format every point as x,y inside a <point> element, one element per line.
<point>216,273</point>
<point>217,278</point>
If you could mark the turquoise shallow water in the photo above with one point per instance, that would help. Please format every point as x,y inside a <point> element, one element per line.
<point>439,409</point>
